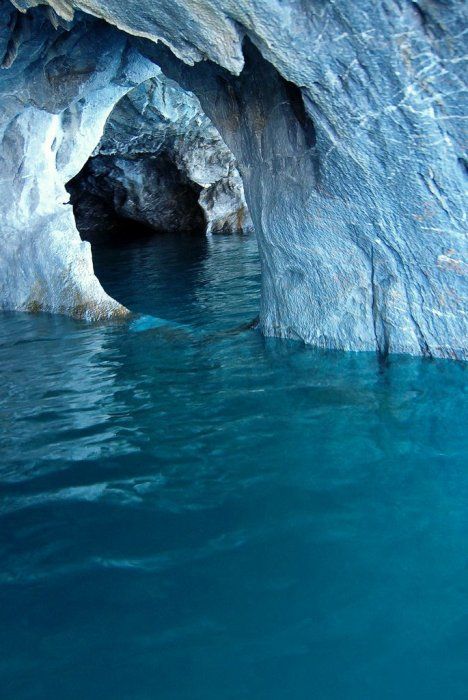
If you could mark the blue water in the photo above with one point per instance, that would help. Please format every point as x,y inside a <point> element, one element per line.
<point>189,513</point>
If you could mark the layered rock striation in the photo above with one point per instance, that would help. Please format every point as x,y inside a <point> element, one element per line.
<point>346,123</point>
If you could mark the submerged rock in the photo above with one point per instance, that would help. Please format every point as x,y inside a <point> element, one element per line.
<point>345,120</point>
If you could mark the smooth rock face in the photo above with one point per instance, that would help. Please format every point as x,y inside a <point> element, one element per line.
<point>160,162</point>
<point>355,182</point>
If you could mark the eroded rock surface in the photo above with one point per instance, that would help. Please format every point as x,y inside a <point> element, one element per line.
<point>346,120</point>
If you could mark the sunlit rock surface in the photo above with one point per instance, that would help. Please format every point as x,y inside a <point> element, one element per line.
<point>161,162</point>
<point>345,120</point>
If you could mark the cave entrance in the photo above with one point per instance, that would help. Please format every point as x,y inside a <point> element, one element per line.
<point>159,181</point>
<point>122,199</point>
<point>160,167</point>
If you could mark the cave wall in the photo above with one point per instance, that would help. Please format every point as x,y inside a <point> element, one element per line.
<point>356,188</point>
<point>356,183</point>
<point>57,87</point>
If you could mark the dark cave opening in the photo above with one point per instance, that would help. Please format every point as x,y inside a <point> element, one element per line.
<point>118,200</point>
<point>158,184</point>
<point>161,167</point>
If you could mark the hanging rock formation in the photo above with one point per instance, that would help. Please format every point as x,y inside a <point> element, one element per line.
<point>345,120</point>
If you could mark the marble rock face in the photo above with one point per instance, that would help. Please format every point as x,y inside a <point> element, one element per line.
<point>162,163</point>
<point>57,88</point>
<point>346,122</point>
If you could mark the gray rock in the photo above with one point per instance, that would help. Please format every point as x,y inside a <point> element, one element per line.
<point>346,121</point>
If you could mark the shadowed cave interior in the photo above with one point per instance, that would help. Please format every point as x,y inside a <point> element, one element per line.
<point>161,167</point>
<point>109,207</point>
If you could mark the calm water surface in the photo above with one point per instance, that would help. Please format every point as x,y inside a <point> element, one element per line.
<point>188,514</point>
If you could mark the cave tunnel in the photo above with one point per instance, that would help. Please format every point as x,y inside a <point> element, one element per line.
<point>160,181</point>
<point>162,170</point>
<point>160,167</point>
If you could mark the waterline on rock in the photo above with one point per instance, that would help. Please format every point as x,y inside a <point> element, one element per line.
<point>241,517</point>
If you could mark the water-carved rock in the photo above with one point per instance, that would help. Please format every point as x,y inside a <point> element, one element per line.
<point>346,122</point>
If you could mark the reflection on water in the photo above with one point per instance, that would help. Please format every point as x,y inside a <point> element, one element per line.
<point>206,515</point>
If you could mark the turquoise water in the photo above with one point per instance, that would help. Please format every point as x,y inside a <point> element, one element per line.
<point>189,513</point>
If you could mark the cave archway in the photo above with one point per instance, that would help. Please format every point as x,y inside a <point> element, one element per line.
<point>160,167</point>
<point>160,180</point>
